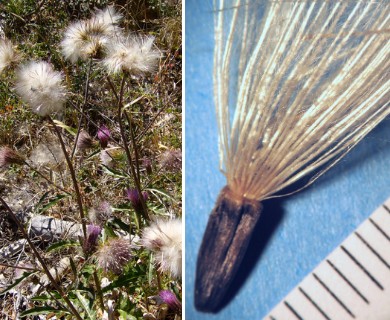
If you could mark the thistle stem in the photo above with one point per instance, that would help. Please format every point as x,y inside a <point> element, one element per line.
<point>73,175</point>
<point>127,150</point>
<point>86,91</point>
<point>41,261</point>
<point>98,289</point>
<point>129,120</point>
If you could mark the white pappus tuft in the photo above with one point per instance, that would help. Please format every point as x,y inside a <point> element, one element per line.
<point>165,239</point>
<point>114,255</point>
<point>87,38</point>
<point>8,54</point>
<point>134,54</point>
<point>39,85</point>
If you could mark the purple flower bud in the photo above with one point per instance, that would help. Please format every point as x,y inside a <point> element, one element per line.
<point>93,232</point>
<point>103,135</point>
<point>133,196</point>
<point>169,298</point>
<point>147,164</point>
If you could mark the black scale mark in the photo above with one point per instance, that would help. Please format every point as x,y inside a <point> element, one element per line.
<point>314,303</point>
<point>372,250</point>
<point>289,307</point>
<point>362,268</point>
<point>334,296</point>
<point>379,229</point>
<point>348,281</point>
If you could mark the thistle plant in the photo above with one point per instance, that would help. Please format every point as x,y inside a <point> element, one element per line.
<point>92,83</point>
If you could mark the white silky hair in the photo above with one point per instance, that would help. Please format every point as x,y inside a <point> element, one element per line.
<point>297,84</point>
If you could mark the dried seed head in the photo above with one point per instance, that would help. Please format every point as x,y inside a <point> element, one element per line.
<point>134,54</point>
<point>171,159</point>
<point>165,239</point>
<point>88,38</point>
<point>8,54</point>
<point>101,213</point>
<point>9,156</point>
<point>39,85</point>
<point>114,255</point>
<point>169,298</point>
<point>85,141</point>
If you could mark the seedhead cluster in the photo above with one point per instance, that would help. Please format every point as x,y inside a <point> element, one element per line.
<point>88,94</point>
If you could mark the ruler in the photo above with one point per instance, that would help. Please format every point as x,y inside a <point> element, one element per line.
<point>353,282</point>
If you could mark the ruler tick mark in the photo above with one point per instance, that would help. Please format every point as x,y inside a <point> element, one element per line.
<point>386,208</point>
<point>294,312</point>
<point>372,250</point>
<point>379,229</point>
<point>314,303</point>
<point>342,304</point>
<point>361,267</point>
<point>347,281</point>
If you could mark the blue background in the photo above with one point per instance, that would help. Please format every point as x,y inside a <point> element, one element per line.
<point>296,232</point>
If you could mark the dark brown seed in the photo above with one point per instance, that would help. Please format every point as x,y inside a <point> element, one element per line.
<point>224,243</point>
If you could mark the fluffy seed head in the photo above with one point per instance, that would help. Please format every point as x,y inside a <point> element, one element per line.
<point>84,141</point>
<point>171,159</point>
<point>134,54</point>
<point>9,156</point>
<point>8,54</point>
<point>101,213</point>
<point>39,85</point>
<point>165,239</point>
<point>88,38</point>
<point>169,298</point>
<point>114,255</point>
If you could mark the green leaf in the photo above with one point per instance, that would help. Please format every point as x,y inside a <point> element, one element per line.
<point>152,190</point>
<point>52,202</point>
<point>121,281</point>
<point>123,315</point>
<point>71,130</point>
<point>86,304</point>
<point>17,281</point>
<point>43,310</point>
<point>119,223</point>
<point>42,198</point>
<point>62,245</point>
<point>113,172</point>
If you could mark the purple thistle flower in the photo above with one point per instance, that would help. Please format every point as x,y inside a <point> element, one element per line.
<point>133,196</point>
<point>170,299</point>
<point>90,243</point>
<point>9,156</point>
<point>103,135</point>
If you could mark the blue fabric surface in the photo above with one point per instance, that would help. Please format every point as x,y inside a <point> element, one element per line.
<point>295,232</point>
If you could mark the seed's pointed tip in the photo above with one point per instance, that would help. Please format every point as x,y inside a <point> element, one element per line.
<point>202,301</point>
